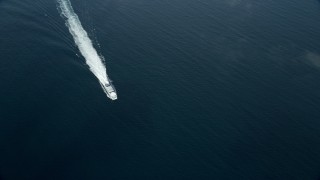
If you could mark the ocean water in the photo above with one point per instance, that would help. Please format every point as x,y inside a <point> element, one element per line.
<point>208,89</point>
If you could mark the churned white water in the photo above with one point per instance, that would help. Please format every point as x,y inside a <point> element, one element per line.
<point>84,43</point>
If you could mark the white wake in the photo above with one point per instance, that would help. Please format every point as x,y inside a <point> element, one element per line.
<point>84,43</point>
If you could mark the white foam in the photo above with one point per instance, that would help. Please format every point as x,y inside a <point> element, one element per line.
<point>84,43</point>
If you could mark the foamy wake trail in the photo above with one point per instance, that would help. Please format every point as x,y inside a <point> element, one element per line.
<point>84,43</point>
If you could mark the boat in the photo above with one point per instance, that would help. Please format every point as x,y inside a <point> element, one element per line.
<point>110,90</point>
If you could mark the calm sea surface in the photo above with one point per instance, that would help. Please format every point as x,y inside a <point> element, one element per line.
<point>208,89</point>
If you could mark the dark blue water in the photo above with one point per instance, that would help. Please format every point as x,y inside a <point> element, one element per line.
<point>208,89</point>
